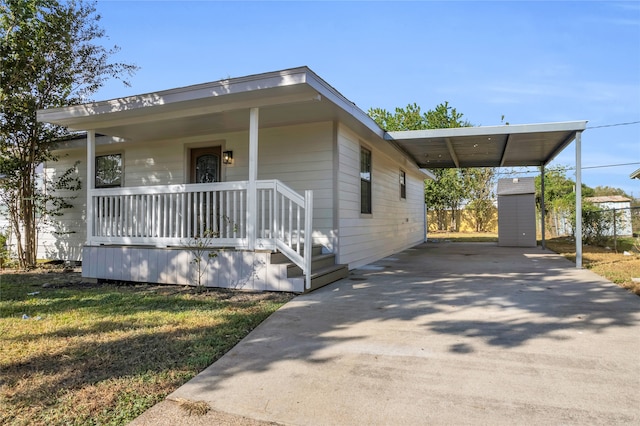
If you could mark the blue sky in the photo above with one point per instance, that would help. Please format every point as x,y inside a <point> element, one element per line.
<point>532,62</point>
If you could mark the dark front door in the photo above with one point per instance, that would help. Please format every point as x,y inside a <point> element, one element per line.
<point>205,165</point>
<point>205,168</point>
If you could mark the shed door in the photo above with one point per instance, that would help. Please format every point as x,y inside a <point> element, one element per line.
<point>517,220</point>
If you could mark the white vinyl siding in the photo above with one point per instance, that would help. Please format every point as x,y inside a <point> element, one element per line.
<point>392,226</point>
<point>302,158</point>
<point>62,237</point>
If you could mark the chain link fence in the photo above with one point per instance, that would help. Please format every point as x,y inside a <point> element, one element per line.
<point>599,226</point>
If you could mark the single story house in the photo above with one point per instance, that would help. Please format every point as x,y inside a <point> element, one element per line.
<point>286,182</point>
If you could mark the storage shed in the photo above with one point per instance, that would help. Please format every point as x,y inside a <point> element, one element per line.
<point>516,212</point>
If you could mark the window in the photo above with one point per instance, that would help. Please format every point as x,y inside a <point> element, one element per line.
<point>365,181</point>
<point>403,185</point>
<point>108,171</point>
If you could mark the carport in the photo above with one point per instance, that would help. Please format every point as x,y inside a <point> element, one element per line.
<point>499,146</point>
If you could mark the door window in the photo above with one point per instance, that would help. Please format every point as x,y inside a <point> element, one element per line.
<point>207,168</point>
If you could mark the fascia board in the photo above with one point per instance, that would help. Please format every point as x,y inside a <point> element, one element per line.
<point>331,94</point>
<point>71,114</point>
<point>428,173</point>
<point>488,130</point>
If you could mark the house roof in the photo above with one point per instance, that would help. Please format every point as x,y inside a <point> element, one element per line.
<point>635,175</point>
<point>296,96</point>
<point>516,186</point>
<point>608,199</point>
<point>286,97</point>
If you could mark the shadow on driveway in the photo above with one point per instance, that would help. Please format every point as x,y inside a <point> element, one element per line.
<point>442,333</point>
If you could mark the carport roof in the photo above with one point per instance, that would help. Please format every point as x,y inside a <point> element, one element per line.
<point>489,146</point>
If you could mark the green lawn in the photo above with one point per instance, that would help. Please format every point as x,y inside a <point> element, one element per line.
<point>103,354</point>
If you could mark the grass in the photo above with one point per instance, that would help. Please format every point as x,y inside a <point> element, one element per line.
<point>103,354</point>
<point>616,267</point>
<point>603,260</point>
<point>466,237</point>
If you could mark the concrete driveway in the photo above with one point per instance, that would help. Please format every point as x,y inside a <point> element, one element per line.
<point>443,333</point>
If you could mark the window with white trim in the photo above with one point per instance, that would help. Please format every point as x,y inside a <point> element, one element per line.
<point>108,171</point>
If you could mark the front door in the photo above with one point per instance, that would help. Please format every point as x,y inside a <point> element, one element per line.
<point>205,165</point>
<point>205,168</point>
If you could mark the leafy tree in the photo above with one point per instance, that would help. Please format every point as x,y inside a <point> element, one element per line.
<point>445,194</point>
<point>480,184</point>
<point>412,118</point>
<point>452,186</point>
<point>49,58</point>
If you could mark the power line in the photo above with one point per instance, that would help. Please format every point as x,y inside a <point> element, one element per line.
<point>614,125</point>
<point>609,165</point>
<point>568,168</point>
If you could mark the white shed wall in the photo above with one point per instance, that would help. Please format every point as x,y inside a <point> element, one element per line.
<point>624,224</point>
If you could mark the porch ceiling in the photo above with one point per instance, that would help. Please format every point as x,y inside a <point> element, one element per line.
<point>491,146</point>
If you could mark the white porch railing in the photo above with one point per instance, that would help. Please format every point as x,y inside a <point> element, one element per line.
<point>174,215</point>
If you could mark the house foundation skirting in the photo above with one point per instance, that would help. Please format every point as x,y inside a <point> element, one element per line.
<point>225,268</point>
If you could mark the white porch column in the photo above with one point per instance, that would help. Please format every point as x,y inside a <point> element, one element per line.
<point>579,200</point>
<point>542,216</point>
<point>91,162</point>
<point>252,192</point>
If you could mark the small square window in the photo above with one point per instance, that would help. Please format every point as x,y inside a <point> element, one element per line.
<point>108,171</point>
<point>403,185</point>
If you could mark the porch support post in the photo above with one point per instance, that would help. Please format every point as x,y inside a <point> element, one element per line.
<point>578,200</point>
<point>252,191</point>
<point>542,215</point>
<point>91,162</point>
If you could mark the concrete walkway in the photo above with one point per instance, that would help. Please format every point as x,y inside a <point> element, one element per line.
<point>443,333</point>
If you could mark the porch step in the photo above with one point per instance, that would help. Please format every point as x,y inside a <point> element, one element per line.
<point>324,269</point>
<point>327,275</point>
<point>317,262</point>
<point>279,257</point>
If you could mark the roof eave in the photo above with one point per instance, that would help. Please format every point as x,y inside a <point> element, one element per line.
<point>488,130</point>
<point>84,116</point>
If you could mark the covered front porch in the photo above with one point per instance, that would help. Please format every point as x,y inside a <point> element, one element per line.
<point>238,230</point>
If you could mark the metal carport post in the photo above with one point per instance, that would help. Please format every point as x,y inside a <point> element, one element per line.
<point>578,191</point>
<point>578,199</point>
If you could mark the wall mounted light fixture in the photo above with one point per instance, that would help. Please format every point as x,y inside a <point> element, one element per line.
<point>227,157</point>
